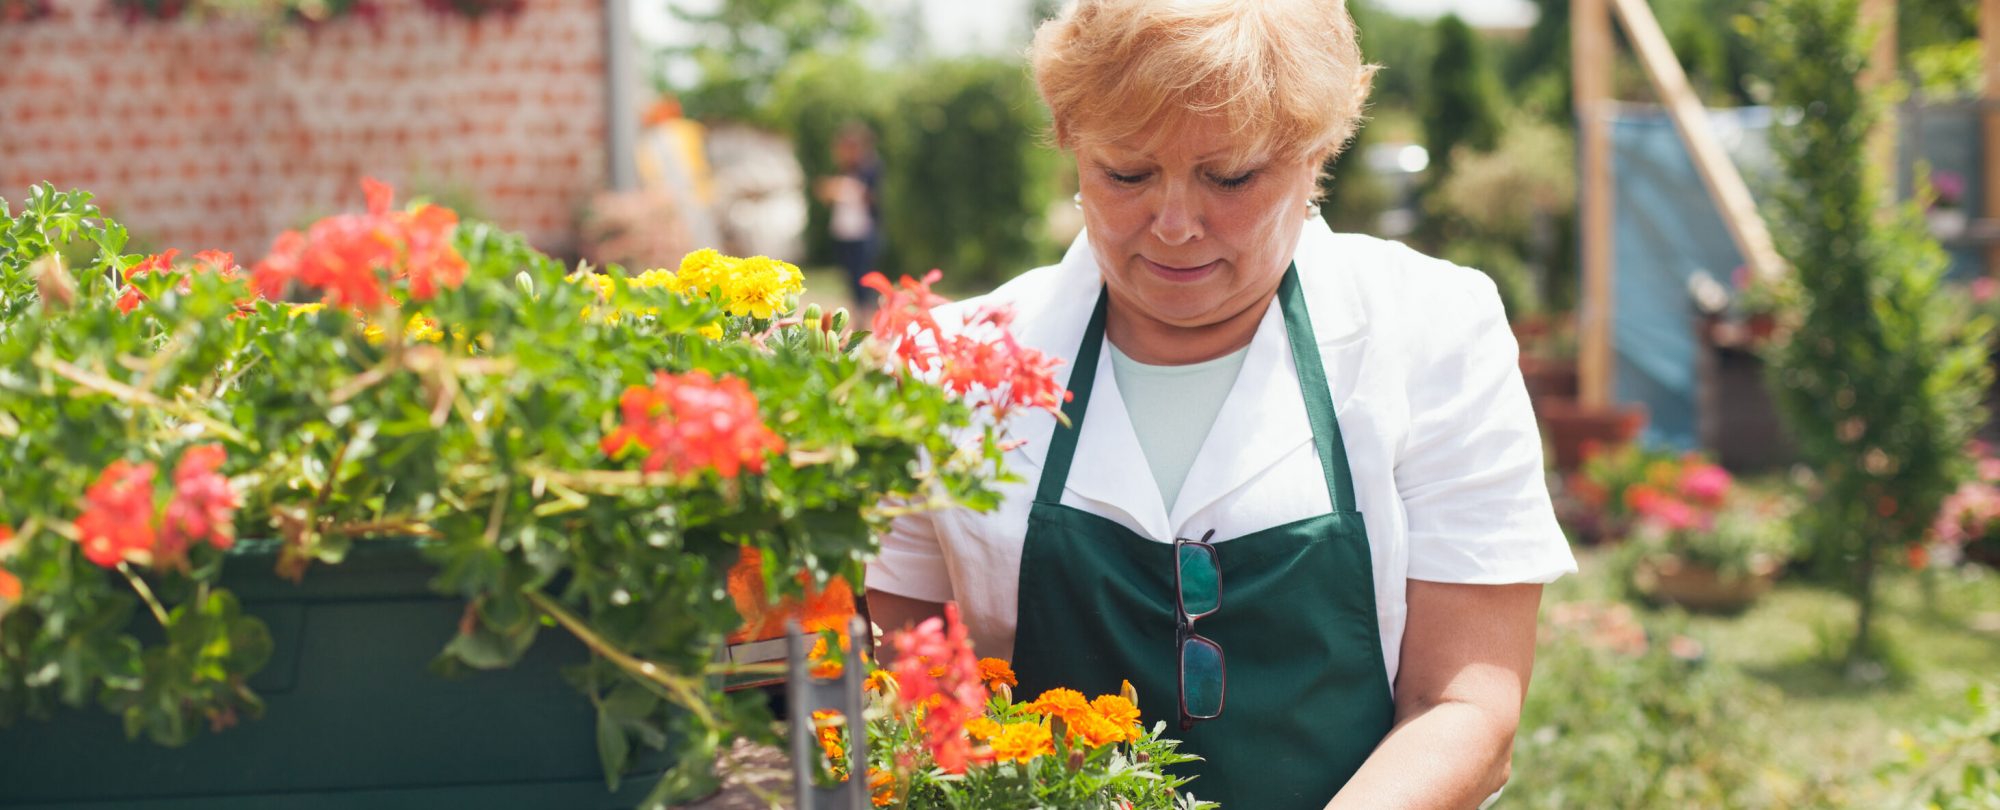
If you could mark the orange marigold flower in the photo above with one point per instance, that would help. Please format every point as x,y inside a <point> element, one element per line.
<point>1116,709</point>
<point>982,728</point>
<point>829,727</point>
<point>1022,742</point>
<point>1096,730</point>
<point>882,786</point>
<point>825,662</point>
<point>879,681</point>
<point>996,672</point>
<point>1067,704</point>
<point>118,521</point>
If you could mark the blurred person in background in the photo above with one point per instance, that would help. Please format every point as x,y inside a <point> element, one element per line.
<point>854,210</point>
<point>1298,499</point>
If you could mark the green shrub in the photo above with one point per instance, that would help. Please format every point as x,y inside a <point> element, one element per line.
<point>1622,714</point>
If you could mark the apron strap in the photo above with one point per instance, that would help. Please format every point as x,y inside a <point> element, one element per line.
<point>1082,377</point>
<point>1319,398</point>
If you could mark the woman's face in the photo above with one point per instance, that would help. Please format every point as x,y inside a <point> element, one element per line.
<point>1191,234</point>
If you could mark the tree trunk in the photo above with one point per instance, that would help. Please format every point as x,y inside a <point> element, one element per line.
<point>1863,649</point>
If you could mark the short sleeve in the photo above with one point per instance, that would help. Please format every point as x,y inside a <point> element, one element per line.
<point>1470,470</point>
<point>912,560</point>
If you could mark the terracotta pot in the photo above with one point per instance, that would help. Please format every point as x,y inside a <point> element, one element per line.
<point>1549,377</point>
<point>1669,580</point>
<point>1572,429</point>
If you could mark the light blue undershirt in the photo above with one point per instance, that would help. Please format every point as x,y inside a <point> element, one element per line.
<point>1172,410</point>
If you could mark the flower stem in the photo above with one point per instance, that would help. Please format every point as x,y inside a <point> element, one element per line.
<point>145,593</point>
<point>684,690</point>
<point>105,385</point>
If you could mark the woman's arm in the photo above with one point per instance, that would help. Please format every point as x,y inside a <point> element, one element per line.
<point>1467,652</point>
<point>891,613</point>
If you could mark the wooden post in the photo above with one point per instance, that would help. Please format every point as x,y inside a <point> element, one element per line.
<point>1878,17</point>
<point>1989,35</point>
<point>1718,174</point>
<point>1590,69</point>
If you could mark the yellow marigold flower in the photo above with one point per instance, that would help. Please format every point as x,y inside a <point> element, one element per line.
<point>712,331</point>
<point>982,728</point>
<point>702,271</point>
<point>422,328</point>
<point>1067,704</point>
<point>996,672</point>
<point>883,786</point>
<point>760,287</point>
<point>1116,709</point>
<point>654,278</point>
<point>296,310</point>
<point>1022,742</point>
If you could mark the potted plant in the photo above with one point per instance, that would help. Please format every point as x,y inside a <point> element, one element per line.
<point>1595,502</point>
<point>279,491</point>
<point>1946,212</point>
<point>1705,545</point>
<point>944,730</point>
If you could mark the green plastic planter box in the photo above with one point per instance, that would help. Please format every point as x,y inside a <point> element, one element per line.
<point>353,717</point>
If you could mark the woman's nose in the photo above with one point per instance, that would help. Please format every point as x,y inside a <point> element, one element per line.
<point>1178,218</point>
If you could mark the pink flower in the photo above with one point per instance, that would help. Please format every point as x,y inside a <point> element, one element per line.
<point>1705,483</point>
<point>204,504</point>
<point>1983,288</point>
<point>936,669</point>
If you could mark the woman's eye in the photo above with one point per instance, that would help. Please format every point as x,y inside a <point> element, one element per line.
<point>1234,182</point>
<point>1124,179</point>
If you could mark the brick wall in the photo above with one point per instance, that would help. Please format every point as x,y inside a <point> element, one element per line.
<point>221,134</point>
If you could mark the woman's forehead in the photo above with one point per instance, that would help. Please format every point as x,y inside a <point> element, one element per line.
<point>1189,139</point>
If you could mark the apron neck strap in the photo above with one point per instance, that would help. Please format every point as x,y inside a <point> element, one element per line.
<point>1318,396</point>
<point>1082,377</point>
<point>1312,386</point>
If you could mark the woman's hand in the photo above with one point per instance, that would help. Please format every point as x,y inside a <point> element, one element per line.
<point>1467,652</point>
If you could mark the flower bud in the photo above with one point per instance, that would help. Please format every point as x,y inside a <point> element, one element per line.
<point>812,314</point>
<point>1075,760</point>
<point>839,320</point>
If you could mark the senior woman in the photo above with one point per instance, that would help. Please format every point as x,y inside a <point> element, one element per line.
<point>1299,502</point>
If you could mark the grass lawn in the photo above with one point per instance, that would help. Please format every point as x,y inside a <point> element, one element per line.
<point>1828,733</point>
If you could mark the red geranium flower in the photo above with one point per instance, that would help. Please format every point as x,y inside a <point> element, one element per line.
<point>936,669</point>
<point>692,422</point>
<point>117,521</point>
<point>204,504</point>
<point>351,258</point>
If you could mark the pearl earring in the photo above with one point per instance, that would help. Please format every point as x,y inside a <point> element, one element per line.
<point>1077,201</point>
<point>1312,209</point>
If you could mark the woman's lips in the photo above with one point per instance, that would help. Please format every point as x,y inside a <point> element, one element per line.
<point>1180,274</point>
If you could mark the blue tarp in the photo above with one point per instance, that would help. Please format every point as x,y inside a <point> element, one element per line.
<point>1666,230</point>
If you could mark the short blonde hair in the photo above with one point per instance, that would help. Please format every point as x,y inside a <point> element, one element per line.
<point>1286,74</point>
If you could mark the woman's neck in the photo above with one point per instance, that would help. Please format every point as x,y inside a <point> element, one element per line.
<point>1155,343</point>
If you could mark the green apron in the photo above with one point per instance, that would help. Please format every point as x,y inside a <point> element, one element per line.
<point>1307,692</point>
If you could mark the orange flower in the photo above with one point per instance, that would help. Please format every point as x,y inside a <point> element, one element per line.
<point>982,728</point>
<point>996,672</point>
<point>829,726</point>
<point>882,785</point>
<point>825,663</point>
<point>1067,704</point>
<point>1118,710</point>
<point>1096,730</point>
<point>879,681</point>
<point>1022,742</point>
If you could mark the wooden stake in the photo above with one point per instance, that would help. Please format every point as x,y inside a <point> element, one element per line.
<point>1719,175</point>
<point>1591,66</point>
<point>1989,35</point>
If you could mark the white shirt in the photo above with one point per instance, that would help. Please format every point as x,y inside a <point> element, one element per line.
<point>1424,376</point>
